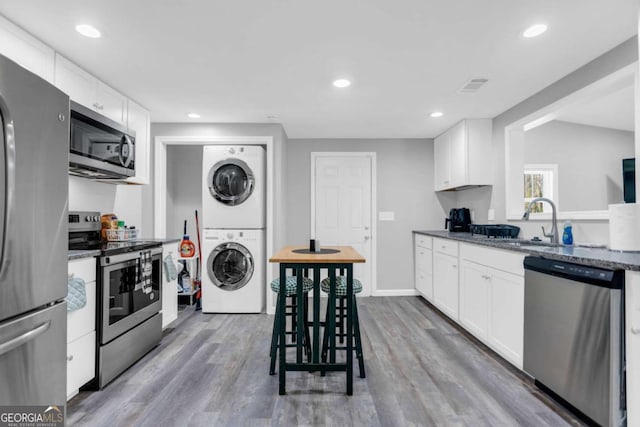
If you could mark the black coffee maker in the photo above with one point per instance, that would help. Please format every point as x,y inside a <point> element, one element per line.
<point>459,220</point>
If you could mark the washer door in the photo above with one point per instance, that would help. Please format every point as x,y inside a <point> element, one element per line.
<point>231,181</point>
<point>230,266</point>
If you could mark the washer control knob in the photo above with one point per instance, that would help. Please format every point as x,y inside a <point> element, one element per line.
<point>229,235</point>
<point>232,150</point>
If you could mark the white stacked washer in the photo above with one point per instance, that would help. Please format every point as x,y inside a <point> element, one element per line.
<point>233,277</point>
<point>233,194</point>
<point>233,210</point>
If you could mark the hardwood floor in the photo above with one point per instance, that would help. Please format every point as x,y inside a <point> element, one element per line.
<point>212,370</point>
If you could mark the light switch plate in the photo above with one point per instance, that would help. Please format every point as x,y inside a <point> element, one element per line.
<point>491,215</point>
<point>387,216</point>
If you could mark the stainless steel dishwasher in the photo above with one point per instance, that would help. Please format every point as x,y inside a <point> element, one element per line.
<point>573,336</point>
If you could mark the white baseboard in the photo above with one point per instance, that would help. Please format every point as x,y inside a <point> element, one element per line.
<point>394,293</point>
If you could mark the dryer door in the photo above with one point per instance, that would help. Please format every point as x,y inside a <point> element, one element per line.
<point>230,266</point>
<point>231,181</point>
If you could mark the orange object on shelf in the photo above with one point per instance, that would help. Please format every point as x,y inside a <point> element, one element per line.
<point>187,249</point>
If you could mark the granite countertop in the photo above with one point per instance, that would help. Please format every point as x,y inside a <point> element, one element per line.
<point>74,254</point>
<point>596,257</point>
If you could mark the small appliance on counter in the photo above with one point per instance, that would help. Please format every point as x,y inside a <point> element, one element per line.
<point>459,220</point>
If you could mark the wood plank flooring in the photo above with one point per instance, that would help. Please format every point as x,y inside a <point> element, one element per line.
<point>212,370</point>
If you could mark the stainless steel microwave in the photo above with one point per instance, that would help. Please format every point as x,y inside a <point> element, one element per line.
<point>99,147</point>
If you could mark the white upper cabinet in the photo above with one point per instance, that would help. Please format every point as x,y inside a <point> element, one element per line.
<point>139,120</point>
<point>87,90</point>
<point>462,155</point>
<point>24,49</point>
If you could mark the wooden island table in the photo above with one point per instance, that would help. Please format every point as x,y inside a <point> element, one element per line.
<point>299,260</point>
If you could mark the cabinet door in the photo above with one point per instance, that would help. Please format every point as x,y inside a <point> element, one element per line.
<point>445,283</point>
<point>424,273</point>
<point>458,155</point>
<point>474,298</point>
<point>506,315</point>
<point>111,103</point>
<point>138,119</point>
<point>27,51</point>
<point>75,82</point>
<point>441,167</point>
<point>81,362</point>
<point>169,288</point>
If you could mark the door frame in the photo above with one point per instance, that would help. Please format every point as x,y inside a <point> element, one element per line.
<point>161,143</point>
<point>374,205</point>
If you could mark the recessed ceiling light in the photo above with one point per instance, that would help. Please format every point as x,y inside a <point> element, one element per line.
<point>193,115</point>
<point>88,31</point>
<point>437,114</point>
<point>534,31</point>
<point>341,83</point>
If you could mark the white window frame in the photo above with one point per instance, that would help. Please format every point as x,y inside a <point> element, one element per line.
<point>550,184</point>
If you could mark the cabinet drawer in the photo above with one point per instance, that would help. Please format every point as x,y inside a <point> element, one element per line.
<point>84,268</point>
<point>423,241</point>
<point>445,246</point>
<point>504,260</point>
<point>83,321</point>
<point>81,362</point>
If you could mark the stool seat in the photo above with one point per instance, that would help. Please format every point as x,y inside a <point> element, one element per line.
<point>341,286</point>
<point>291,286</point>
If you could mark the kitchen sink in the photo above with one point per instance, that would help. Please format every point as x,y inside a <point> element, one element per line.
<point>522,242</point>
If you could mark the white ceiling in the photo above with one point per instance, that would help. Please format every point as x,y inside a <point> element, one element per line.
<point>614,110</point>
<point>244,60</point>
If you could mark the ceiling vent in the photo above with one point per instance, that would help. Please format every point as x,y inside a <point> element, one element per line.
<point>473,85</point>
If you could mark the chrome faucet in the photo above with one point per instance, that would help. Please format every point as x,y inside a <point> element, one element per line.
<point>553,236</point>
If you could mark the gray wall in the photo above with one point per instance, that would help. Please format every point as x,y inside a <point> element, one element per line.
<point>589,160</point>
<point>184,189</point>
<point>404,185</point>
<point>617,58</point>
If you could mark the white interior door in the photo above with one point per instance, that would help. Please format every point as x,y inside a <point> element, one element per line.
<point>342,197</point>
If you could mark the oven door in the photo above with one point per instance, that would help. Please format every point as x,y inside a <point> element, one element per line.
<point>130,292</point>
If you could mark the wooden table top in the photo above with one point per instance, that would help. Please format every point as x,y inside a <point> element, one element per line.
<point>346,255</point>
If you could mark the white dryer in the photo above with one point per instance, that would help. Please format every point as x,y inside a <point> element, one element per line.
<point>233,276</point>
<point>233,194</point>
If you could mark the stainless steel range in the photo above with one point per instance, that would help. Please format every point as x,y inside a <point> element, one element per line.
<point>129,277</point>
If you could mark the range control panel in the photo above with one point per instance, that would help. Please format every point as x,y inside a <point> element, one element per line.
<point>84,220</point>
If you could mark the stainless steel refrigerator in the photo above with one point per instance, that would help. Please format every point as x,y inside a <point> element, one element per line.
<point>34,149</point>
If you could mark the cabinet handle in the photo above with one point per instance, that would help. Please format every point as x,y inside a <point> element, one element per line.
<point>635,331</point>
<point>70,358</point>
<point>454,266</point>
<point>485,277</point>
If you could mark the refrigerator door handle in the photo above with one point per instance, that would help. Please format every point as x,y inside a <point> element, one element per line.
<point>24,338</point>
<point>7,138</point>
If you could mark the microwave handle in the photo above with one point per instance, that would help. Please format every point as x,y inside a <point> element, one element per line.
<point>8,146</point>
<point>126,140</point>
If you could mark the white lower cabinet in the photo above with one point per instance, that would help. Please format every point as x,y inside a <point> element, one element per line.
<point>492,298</point>
<point>506,315</point>
<point>81,362</point>
<point>474,298</point>
<point>169,287</point>
<point>423,264</point>
<point>81,330</point>
<point>445,277</point>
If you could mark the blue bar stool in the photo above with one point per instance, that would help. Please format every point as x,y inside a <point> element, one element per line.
<point>291,294</point>
<point>340,313</point>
